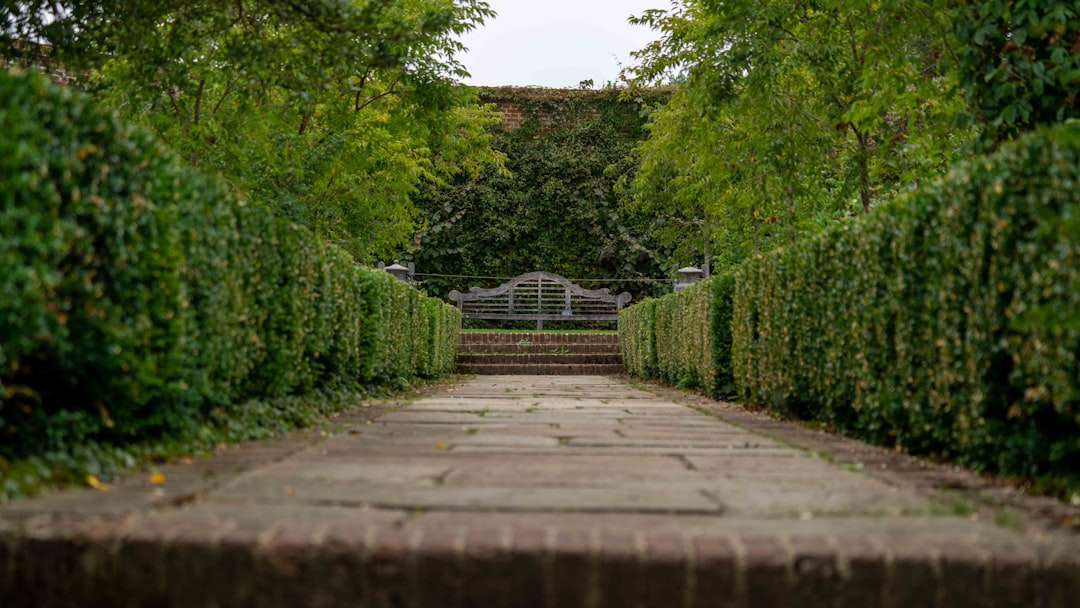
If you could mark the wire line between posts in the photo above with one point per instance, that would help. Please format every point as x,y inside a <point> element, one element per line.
<point>466,276</point>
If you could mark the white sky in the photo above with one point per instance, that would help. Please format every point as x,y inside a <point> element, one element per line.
<point>556,43</point>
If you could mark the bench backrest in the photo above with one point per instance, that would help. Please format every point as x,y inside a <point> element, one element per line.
<point>540,296</point>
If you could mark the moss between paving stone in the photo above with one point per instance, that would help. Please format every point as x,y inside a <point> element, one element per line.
<point>91,464</point>
<point>545,331</point>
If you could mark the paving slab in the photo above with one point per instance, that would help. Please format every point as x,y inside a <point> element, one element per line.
<point>545,491</point>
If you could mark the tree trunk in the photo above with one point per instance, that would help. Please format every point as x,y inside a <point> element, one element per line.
<point>864,167</point>
<point>790,208</point>
<point>707,239</point>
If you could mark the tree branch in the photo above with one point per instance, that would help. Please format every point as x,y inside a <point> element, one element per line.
<point>228,89</point>
<point>367,103</point>
<point>304,121</point>
<point>198,100</point>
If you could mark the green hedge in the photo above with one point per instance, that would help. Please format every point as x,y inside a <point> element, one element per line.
<point>945,322</point>
<point>637,338</point>
<point>138,296</point>
<point>682,338</point>
<point>720,315</point>
<point>426,330</point>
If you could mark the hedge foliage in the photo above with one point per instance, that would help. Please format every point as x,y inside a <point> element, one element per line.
<point>637,338</point>
<point>426,330</point>
<point>139,297</point>
<point>683,338</point>
<point>945,322</point>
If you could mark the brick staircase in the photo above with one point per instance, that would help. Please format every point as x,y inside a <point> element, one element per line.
<point>531,353</point>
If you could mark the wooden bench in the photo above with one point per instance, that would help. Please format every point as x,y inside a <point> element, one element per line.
<point>540,296</point>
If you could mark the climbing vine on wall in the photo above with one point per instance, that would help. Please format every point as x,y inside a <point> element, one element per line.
<point>557,205</point>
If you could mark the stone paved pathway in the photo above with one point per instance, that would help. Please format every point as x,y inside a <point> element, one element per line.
<point>537,491</point>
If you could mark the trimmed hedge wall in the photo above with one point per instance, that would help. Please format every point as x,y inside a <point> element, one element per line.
<point>720,314</point>
<point>945,322</point>
<point>637,338</point>
<point>137,295</point>
<point>683,338</point>
<point>426,330</point>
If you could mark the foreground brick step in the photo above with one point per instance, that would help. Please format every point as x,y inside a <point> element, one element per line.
<point>467,563</point>
<point>540,359</point>
<point>540,349</point>
<point>470,337</point>
<point>548,369</point>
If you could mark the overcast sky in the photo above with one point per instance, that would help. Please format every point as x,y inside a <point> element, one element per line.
<point>556,43</point>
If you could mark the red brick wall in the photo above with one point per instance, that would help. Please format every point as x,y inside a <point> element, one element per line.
<point>512,115</point>
<point>512,111</point>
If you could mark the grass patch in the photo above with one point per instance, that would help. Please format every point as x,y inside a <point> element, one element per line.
<point>1008,518</point>
<point>962,506</point>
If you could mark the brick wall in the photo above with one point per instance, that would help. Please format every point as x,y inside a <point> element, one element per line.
<point>512,115</point>
<point>549,105</point>
<point>37,57</point>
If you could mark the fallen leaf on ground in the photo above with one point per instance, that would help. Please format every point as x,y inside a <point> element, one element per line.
<point>157,478</point>
<point>94,482</point>
<point>440,446</point>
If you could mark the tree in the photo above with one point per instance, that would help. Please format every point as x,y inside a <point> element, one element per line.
<point>330,113</point>
<point>557,209</point>
<point>795,113</point>
<point>1019,65</point>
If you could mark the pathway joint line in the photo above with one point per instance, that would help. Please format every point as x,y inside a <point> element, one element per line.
<point>593,592</point>
<point>739,550</point>
<point>547,567</point>
<point>689,561</point>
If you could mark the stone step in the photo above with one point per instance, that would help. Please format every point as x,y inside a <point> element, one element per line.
<point>540,349</point>
<point>524,338</point>
<point>539,359</point>
<point>522,566</point>
<point>547,369</point>
<point>527,567</point>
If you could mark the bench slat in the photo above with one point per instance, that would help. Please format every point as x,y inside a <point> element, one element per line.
<point>540,296</point>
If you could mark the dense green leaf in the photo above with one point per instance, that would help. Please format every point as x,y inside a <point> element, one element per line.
<point>942,323</point>
<point>141,301</point>
<point>328,113</point>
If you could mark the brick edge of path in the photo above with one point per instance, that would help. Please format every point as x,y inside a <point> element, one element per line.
<point>118,557</point>
<point>520,567</point>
